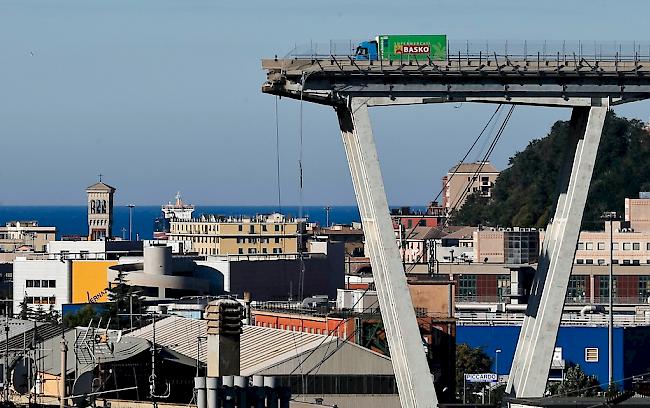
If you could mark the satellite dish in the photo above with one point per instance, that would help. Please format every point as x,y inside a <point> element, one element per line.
<point>83,386</point>
<point>20,375</point>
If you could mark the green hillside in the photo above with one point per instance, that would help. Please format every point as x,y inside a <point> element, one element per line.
<point>524,192</point>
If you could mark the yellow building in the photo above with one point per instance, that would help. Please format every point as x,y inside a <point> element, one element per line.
<point>219,235</point>
<point>90,280</point>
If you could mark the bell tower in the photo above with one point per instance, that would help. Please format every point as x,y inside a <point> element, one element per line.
<point>100,211</point>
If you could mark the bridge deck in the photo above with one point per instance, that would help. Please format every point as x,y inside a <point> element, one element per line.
<point>330,81</point>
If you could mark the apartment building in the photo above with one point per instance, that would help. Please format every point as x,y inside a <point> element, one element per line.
<point>465,179</point>
<point>220,235</point>
<point>25,235</point>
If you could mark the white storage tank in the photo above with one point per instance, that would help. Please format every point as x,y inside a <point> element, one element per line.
<point>158,260</point>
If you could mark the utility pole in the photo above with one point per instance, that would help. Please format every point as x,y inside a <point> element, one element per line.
<point>611,216</point>
<point>6,359</point>
<point>131,206</point>
<point>327,216</point>
<point>64,369</point>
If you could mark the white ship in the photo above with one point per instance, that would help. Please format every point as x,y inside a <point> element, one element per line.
<point>176,211</point>
<point>179,210</point>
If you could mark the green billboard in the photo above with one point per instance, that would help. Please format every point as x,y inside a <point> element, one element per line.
<point>413,47</point>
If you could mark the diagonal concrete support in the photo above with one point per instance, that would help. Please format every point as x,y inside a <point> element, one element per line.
<point>414,381</point>
<point>532,360</point>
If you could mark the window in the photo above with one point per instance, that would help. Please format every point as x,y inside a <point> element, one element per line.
<point>603,287</point>
<point>601,262</point>
<point>636,262</point>
<point>252,250</point>
<point>264,250</point>
<point>45,283</point>
<point>615,246</point>
<point>52,300</point>
<point>29,299</point>
<point>37,283</point>
<point>277,240</point>
<point>626,262</point>
<point>636,246</point>
<point>503,286</point>
<point>240,227</point>
<point>241,251</point>
<point>644,288</point>
<point>580,261</point>
<point>263,227</point>
<point>601,246</point>
<point>647,246</point>
<point>29,283</point>
<point>614,261</point>
<point>467,285</point>
<point>581,246</point>
<point>576,289</point>
<point>277,228</point>
<point>627,246</point>
<point>591,354</point>
<point>589,261</point>
<point>589,246</point>
<point>251,229</point>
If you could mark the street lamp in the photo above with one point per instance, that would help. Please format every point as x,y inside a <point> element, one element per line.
<point>131,206</point>
<point>611,216</point>
<point>327,216</point>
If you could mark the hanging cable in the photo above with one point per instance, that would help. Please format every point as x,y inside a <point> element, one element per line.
<point>277,153</point>
<point>444,187</point>
<point>478,170</point>
<point>301,278</point>
<point>329,332</point>
<point>486,157</point>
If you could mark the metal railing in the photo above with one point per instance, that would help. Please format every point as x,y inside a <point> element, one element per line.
<point>480,299</point>
<point>569,319</point>
<point>520,50</point>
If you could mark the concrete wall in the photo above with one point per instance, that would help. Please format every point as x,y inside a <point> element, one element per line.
<point>269,278</point>
<point>432,296</point>
<point>488,246</point>
<point>637,212</point>
<point>59,271</point>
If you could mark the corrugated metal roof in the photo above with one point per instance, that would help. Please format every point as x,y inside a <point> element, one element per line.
<point>22,332</point>
<point>261,347</point>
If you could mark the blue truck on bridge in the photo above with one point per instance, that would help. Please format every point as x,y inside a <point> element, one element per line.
<point>403,47</point>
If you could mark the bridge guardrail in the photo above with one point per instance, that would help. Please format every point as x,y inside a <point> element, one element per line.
<point>489,49</point>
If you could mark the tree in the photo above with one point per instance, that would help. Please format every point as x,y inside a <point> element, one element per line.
<point>470,360</point>
<point>576,383</point>
<point>122,297</point>
<point>24,312</point>
<point>524,193</point>
<point>52,316</point>
<point>80,319</point>
<point>39,314</point>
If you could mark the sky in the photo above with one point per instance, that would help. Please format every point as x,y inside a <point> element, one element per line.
<point>164,95</point>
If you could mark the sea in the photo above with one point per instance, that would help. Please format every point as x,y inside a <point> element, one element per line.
<point>71,220</point>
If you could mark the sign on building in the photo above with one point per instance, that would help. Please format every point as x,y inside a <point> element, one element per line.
<point>481,378</point>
